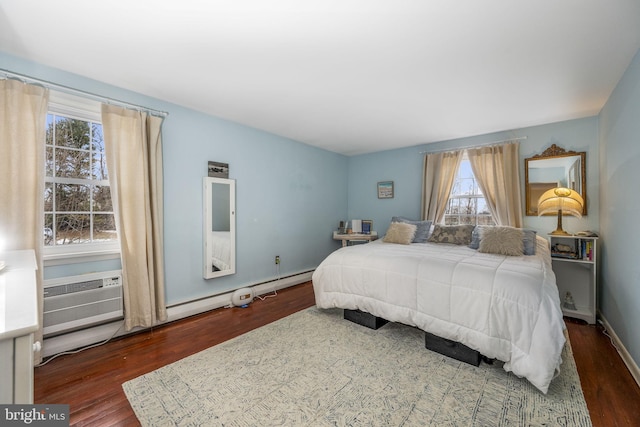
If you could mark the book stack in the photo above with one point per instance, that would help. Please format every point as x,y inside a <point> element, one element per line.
<point>586,250</point>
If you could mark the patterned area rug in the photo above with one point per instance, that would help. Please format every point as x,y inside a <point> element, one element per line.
<point>314,368</point>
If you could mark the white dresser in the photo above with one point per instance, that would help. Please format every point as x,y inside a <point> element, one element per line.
<point>18,322</point>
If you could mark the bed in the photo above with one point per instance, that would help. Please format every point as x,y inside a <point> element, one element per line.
<point>505,307</point>
<point>220,250</point>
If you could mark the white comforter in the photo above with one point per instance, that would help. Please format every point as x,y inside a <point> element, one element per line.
<point>504,307</point>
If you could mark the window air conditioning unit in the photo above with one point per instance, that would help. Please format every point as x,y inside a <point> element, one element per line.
<point>78,302</point>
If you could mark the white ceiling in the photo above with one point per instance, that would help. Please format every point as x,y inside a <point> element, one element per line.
<point>350,76</point>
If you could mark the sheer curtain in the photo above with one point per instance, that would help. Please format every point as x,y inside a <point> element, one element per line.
<point>497,170</point>
<point>23,114</point>
<point>438,176</point>
<point>133,148</point>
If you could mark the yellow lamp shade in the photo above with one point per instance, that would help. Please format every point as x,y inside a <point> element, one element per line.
<point>560,200</point>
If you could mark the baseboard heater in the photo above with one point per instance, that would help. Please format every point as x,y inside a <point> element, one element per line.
<point>77,302</point>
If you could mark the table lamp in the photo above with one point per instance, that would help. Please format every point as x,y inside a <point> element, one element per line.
<point>560,200</point>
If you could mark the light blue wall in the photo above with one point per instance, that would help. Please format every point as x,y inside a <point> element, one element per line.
<point>404,167</point>
<point>289,196</point>
<point>620,214</point>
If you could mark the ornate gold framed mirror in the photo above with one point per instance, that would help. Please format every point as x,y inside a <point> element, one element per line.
<point>555,167</point>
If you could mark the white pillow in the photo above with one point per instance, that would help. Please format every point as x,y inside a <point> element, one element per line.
<point>400,232</point>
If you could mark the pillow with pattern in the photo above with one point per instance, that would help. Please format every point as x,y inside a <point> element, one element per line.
<point>455,234</point>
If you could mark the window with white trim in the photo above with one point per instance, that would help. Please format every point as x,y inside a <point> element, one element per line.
<point>78,212</point>
<point>467,204</point>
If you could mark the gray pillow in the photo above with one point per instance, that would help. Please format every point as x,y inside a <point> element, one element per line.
<point>455,234</point>
<point>529,239</point>
<point>422,228</point>
<point>502,241</point>
<point>475,236</point>
<point>529,242</point>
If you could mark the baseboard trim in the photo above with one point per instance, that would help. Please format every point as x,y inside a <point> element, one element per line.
<point>97,334</point>
<point>622,350</point>
<point>200,306</point>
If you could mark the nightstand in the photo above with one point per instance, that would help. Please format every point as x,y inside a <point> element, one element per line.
<point>346,238</point>
<point>575,260</point>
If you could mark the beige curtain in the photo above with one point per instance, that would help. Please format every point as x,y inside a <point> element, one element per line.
<point>497,170</point>
<point>23,114</point>
<point>438,176</point>
<point>133,148</point>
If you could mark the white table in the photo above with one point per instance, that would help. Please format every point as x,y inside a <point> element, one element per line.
<point>354,237</point>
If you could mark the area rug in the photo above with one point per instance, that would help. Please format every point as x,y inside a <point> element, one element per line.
<point>314,368</point>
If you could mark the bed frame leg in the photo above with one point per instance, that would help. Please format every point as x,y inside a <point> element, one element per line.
<point>364,319</point>
<point>452,349</point>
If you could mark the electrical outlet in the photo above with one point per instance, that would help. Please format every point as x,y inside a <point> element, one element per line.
<point>277,259</point>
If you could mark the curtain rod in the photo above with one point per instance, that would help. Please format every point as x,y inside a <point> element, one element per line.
<point>69,90</point>
<point>484,144</point>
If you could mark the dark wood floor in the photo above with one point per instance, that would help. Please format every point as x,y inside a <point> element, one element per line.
<point>91,381</point>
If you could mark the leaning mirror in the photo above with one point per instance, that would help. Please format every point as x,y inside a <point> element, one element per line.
<point>555,167</point>
<point>219,197</point>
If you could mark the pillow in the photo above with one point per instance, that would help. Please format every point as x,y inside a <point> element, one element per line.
<point>400,232</point>
<point>475,236</point>
<point>502,240</point>
<point>529,239</point>
<point>422,230</point>
<point>456,234</point>
<point>529,242</point>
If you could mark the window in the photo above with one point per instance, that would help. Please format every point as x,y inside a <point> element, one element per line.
<point>466,203</point>
<point>78,212</point>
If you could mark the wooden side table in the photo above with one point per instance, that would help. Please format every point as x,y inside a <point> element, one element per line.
<point>346,238</point>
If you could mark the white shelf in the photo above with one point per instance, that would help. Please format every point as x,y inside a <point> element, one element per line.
<point>577,277</point>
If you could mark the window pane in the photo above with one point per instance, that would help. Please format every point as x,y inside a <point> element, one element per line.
<point>99,166</point>
<point>73,229</point>
<point>48,230</point>
<point>97,137</point>
<point>48,161</point>
<point>72,133</point>
<point>104,227</point>
<point>72,198</point>
<point>483,209</point>
<point>102,199</point>
<point>48,197</point>
<point>485,220</point>
<point>72,163</point>
<point>50,130</point>
<point>467,219</point>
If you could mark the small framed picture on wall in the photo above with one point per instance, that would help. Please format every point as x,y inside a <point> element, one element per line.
<point>218,170</point>
<point>385,190</point>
